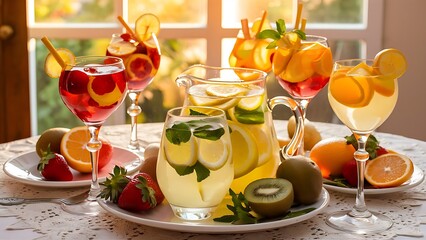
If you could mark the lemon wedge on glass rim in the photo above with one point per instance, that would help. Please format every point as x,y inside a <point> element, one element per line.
<point>52,67</point>
<point>145,25</point>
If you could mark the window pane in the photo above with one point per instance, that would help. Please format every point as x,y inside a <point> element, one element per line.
<point>74,11</point>
<point>161,95</point>
<point>315,11</point>
<point>171,11</point>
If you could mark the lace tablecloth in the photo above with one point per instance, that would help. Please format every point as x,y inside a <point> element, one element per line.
<point>48,221</point>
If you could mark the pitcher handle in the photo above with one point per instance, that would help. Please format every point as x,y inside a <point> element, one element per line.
<point>291,148</point>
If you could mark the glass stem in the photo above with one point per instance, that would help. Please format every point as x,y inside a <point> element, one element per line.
<point>303,105</point>
<point>93,147</point>
<point>361,156</point>
<point>134,110</point>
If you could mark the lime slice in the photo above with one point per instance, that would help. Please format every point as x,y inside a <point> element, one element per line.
<point>145,25</point>
<point>391,62</point>
<point>52,67</point>
<point>212,154</point>
<point>182,155</point>
<point>121,48</point>
<point>244,149</point>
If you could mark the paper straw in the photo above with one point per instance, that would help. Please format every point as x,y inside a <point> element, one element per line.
<point>53,51</point>
<point>245,28</point>
<point>299,14</point>
<point>128,29</point>
<point>303,27</point>
<point>265,13</point>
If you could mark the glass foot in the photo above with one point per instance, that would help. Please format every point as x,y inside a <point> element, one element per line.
<point>192,214</point>
<point>87,207</point>
<point>360,225</point>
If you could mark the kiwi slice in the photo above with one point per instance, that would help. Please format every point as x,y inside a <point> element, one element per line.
<point>270,197</point>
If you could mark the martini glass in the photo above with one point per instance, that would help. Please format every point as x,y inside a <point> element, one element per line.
<point>92,89</point>
<point>362,99</point>
<point>141,60</point>
<point>302,68</point>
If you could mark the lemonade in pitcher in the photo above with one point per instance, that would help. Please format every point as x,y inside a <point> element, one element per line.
<point>255,149</point>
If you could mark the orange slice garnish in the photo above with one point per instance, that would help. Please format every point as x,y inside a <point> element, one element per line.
<point>384,86</point>
<point>145,25</point>
<point>390,62</point>
<point>121,48</point>
<point>324,64</point>
<point>350,91</point>
<point>52,67</point>
<point>389,170</point>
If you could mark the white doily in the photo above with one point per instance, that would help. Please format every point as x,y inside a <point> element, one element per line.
<point>51,222</point>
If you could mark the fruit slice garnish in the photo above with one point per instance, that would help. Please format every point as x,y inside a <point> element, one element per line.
<point>244,149</point>
<point>362,69</point>
<point>212,154</point>
<point>73,148</point>
<point>250,103</point>
<point>384,86</point>
<point>324,64</point>
<point>225,90</point>
<point>280,60</point>
<point>199,97</point>
<point>121,48</point>
<point>52,67</point>
<point>181,155</point>
<point>263,141</point>
<point>139,67</point>
<point>145,25</point>
<point>353,92</point>
<point>390,62</point>
<point>389,170</point>
<point>256,25</point>
<point>104,90</point>
<point>262,56</point>
<point>245,49</point>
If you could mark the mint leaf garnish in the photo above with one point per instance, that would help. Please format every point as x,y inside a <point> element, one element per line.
<point>178,133</point>
<point>276,35</point>
<point>201,171</point>
<point>240,209</point>
<point>209,132</point>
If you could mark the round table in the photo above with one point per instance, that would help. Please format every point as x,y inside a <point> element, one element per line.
<point>48,221</point>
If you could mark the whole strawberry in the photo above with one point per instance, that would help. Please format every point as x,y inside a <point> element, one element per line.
<point>54,167</point>
<point>140,194</point>
<point>349,172</point>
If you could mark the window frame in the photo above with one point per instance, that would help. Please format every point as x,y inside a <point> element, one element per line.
<point>370,32</point>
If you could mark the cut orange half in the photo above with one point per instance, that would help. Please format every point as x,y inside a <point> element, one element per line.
<point>389,170</point>
<point>73,148</point>
<point>52,67</point>
<point>145,25</point>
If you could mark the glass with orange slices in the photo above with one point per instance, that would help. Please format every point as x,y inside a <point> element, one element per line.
<point>141,55</point>
<point>363,93</point>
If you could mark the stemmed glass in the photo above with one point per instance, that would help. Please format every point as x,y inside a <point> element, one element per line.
<point>141,60</point>
<point>302,68</point>
<point>92,89</point>
<point>362,99</point>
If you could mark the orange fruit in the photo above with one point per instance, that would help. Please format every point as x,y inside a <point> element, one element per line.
<point>52,67</point>
<point>73,148</point>
<point>331,154</point>
<point>389,170</point>
<point>145,25</point>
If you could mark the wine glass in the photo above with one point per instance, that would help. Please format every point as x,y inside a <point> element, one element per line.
<point>362,99</point>
<point>141,60</point>
<point>92,89</point>
<point>302,68</point>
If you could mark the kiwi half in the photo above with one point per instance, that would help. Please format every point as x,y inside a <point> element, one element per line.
<point>270,197</point>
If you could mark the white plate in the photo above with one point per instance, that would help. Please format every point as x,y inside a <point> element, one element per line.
<point>23,168</point>
<point>415,180</point>
<point>163,217</point>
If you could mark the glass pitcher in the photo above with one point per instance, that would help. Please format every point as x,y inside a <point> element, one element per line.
<point>241,93</point>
